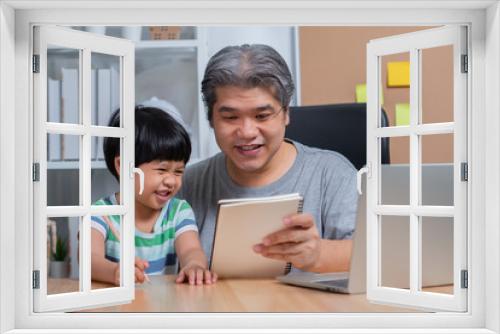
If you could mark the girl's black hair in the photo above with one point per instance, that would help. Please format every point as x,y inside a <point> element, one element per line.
<point>158,136</point>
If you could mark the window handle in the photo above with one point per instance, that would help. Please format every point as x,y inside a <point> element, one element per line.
<point>141,177</point>
<point>364,170</point>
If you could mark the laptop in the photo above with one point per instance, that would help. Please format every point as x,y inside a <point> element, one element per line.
<point>353,281</point>
<point>437,255</point>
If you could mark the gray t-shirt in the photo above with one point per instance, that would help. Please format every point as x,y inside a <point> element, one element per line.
<point>326,180</point>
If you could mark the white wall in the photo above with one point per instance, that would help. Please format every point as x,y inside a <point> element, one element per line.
<point>280,38</point>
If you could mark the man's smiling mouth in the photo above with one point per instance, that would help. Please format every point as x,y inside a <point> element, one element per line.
<point>249,147</point>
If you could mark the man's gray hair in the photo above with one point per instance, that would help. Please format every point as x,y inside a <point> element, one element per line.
<point>247,66</point>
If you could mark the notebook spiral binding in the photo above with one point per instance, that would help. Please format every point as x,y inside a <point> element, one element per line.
<point>301,205</point>
<point>288,266</point>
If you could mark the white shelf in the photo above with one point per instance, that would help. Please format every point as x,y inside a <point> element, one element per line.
<point>100,164</point>
<point>170,43</point>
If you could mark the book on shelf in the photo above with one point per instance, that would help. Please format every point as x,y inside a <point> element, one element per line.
<point>115,90</point>
<point>103,104</point>
<point>93,101</point>
<point>70,113</point>
<point>54,115</point>
<point>241,224</point>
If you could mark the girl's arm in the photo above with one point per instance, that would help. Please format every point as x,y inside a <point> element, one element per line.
<point>193,262</point>
<point>103,269</point>
<point>108,271</point>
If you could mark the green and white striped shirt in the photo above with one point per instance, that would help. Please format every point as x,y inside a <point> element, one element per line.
<point>156,247</point>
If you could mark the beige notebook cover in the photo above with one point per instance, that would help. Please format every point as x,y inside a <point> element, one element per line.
<point>243,223</point>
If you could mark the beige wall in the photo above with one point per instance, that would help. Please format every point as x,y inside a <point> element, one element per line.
<point>333,61</point>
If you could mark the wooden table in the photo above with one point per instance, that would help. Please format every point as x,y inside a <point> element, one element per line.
<point>231,295</point>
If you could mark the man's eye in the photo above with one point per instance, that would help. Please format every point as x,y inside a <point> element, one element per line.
<point>230,117</point>
<point>262,116</point>
<point>179,172</point>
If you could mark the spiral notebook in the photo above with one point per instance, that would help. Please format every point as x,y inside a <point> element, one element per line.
<point>243,223</point>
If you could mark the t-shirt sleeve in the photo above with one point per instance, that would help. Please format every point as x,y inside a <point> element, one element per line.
<point>98,223</point>
<point>184,219</point>
<point>340,205</point>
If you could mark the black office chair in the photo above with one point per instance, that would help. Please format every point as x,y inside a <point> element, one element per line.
<point>337,127</point>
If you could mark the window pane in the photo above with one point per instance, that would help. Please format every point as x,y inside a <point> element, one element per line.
<point>166,78</point>
<point>395,94</point>
<point>105,87</point>
<point>63,85</point>
<point>437,254</point>
<point>103,183</point>
<point>437,84</point>
<point>395,251</point>
<point>437,169</point>
<point>63,178</point>
<point>395,177</point>
<point>106,249</point>
<point>63,255</point>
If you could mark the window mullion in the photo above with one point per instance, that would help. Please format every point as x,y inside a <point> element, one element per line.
<point>127,100</point>
<point>415,192</point>
<point>85,170</point>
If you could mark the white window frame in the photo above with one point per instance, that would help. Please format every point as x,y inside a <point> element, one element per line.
<point>86,44</point>
<point>413,43</point>
<point>16,18</point>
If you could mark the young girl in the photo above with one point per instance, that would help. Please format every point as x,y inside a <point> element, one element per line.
<point>165,228</point>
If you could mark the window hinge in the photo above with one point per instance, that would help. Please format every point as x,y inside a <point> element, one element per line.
<point>464,171</point>
<point>36,63</point>
<point>465,279</point>
<point>36,172</point>
<point>36,279</point>
<point>465,64</point>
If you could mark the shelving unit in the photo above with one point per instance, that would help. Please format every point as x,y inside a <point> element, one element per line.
<point>168,70</point>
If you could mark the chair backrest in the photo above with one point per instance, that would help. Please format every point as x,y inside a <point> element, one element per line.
<point>337,127</point>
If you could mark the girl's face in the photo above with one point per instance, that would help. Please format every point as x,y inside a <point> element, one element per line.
<point>162,180</point>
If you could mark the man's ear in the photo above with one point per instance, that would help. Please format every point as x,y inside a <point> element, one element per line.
<point>211,119</point>
<point>117,165</point>
<point>287,116</point>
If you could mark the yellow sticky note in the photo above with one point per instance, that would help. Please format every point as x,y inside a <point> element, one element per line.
<point>361,94</point>
<point>402,114</point>
<point>398,74</point>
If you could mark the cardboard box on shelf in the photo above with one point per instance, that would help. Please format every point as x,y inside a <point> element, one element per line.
<point>165,32</point>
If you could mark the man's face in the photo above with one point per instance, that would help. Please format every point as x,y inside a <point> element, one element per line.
<point>249,125</point>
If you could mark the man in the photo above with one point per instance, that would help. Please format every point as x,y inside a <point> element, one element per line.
<point>247,91</point>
